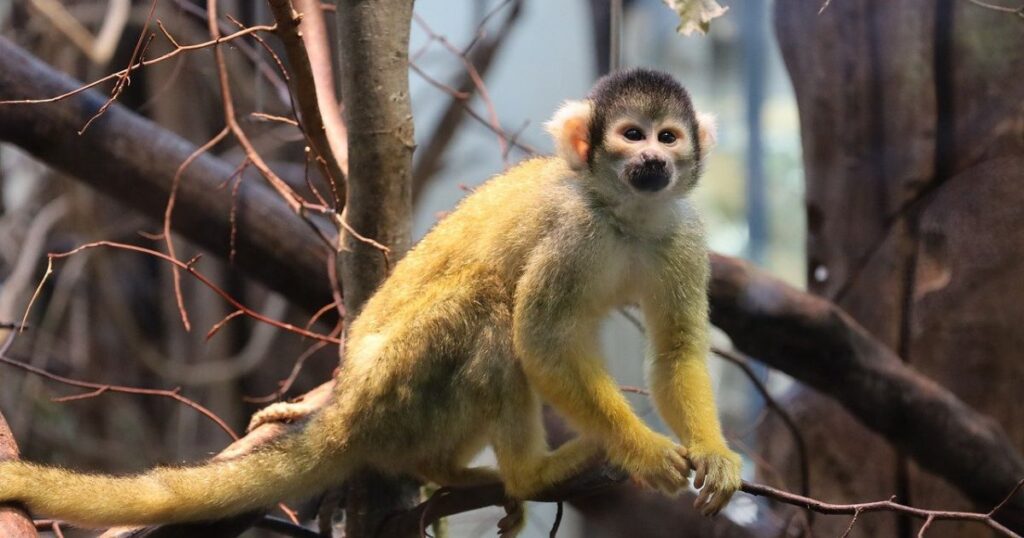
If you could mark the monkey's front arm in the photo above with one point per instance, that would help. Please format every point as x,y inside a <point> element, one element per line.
<point>676,315</point>
<point>555,340</point>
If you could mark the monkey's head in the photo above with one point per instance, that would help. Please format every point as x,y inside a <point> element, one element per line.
<point>636,133</point>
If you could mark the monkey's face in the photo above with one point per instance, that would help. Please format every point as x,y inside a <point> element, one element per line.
<point>649,156</point>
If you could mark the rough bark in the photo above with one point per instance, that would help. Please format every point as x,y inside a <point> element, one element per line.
<point>374,73</point>
<point>913,144</point>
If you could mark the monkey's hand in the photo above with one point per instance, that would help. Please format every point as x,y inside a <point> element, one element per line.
<point>655,462</point>
<point>718,477</point>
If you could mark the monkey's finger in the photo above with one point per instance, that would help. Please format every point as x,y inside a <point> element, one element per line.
<point>680,462</point>
<point>702,473</point>
<point>702,499</point>
<point>709,507</point>
<point>721,499</point>
<point>683,466</point>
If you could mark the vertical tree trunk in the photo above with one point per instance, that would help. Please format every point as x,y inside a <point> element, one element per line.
<point>374,49</point>
<point>913,140</point>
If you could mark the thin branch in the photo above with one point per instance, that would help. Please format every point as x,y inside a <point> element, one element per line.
<point>285,527</point>
<point>475,77</point>
<point>99,388</point>
<point>141,46</point>
<point>481,57</point>
<point>283,189</point>
<point>202,278</point>
<point>1019,11</point>
<point>143,63</point>
<point>458,500</point>
<point>822,507</point>
<point>167,236</point>
<point>272,78</point>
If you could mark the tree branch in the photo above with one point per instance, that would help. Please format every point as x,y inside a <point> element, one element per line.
<point>309,94</point>
<point>817,343</point>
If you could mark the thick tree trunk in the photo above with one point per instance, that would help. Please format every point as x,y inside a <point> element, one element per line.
<point>374,52</point>
<point>913,147</point>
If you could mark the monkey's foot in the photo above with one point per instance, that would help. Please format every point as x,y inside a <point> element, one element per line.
<point>281,412</point>
<point>514,520</point>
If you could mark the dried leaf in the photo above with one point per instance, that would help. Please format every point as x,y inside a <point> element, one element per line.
<point>695,15</point>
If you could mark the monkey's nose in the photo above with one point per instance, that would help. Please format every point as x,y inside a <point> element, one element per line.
<point>651,176</point>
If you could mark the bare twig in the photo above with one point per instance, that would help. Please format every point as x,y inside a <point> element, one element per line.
<point>168,239</point>
<point>142,63</point>
<point>475,77</point>
<point>1019,11</point>
<point>305,91</point>
<point>883,506</point>
<point>480,53</point>
<point>100,388</point>
<point>459,500</point>
<point>283,189</point>
<point>141,45</point>
<point>190,267</point>
<point>464,99</point>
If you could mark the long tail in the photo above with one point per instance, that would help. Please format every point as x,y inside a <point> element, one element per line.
<point>291,467</point>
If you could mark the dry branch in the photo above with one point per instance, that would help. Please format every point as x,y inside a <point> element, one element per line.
<point>307,92</point>
<point>800,334</point>
<point>480,57</point>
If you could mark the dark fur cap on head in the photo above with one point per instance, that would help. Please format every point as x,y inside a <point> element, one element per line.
<point>653,93</point>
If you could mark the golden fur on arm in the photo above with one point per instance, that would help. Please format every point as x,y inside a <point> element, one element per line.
<point>676,313</point>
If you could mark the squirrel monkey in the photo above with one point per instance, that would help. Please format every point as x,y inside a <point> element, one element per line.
<point>495,311</point>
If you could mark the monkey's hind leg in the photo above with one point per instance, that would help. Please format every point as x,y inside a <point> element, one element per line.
<point>527,466</point>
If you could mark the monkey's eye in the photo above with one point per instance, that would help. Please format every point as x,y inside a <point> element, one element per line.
<point>633,134</point>
<point>667,137</point>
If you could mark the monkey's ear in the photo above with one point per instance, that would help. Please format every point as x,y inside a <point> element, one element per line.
<point>707,131</point>
<point>570,127</point>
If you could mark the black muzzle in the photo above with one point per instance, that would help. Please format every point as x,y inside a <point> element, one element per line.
<point>649,176</point>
